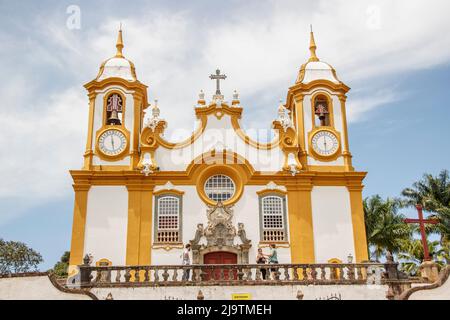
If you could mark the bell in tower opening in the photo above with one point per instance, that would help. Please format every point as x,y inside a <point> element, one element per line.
<point>114,109</point>
<point>321,111</point>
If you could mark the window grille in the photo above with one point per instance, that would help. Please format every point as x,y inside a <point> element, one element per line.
<point>219,188</point>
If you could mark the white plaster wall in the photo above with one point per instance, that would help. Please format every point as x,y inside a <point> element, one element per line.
<point>96,161</point>
<point>313,162</point>
<point>34,288</point>
<point>246,211</point>
<point>332,223</point>
<point>318,70</point>
<point>270,292</point>
<point>439,293</point>
<point>219,134</point>
<point>106,223</point>
<point>337,115</point>
<point>194,212</point>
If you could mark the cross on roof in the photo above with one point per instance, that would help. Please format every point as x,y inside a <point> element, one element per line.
<point>218,77</point>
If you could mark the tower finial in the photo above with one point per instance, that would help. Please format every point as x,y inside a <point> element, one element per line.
<point>119,44</point>
<point>312,47</point>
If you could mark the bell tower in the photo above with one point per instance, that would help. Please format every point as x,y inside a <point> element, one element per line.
<point>117,101</point>
<point>317,102</point>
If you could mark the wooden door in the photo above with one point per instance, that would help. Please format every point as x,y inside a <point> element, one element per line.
<point>220,257</point>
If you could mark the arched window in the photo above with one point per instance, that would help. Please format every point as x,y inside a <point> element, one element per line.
<point>321,111</point>
<point>168,219</point>
<point>219,188</point>
<point>273,218</point>
<point>114,109</point>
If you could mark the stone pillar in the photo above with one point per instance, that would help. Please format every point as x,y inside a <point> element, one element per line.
<point>359,227</point>
<point>79,224</point>
<point>429,271</point>
<point>345,151</point>
<point>300,223</point>
<point>89,147</point>
<point>139,230</point>
<point>298,113</point>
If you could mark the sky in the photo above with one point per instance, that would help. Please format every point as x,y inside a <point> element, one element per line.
<point>395,55</point>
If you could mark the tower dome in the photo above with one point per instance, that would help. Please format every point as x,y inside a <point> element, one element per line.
<point>314,69</point>
<point>117,66</point>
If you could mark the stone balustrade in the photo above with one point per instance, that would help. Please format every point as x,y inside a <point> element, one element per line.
<point>237,274</point>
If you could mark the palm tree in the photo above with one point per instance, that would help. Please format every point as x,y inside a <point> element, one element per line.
<point>412,255</point>
<point>386,231</point>
<point>433,193</point>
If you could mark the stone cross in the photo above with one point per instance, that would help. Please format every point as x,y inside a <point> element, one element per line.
<point>218,77</point>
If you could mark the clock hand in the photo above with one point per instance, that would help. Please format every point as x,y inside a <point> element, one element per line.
<point>112,143</point>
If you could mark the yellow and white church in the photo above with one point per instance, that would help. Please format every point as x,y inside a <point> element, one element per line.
<point>140,198</point>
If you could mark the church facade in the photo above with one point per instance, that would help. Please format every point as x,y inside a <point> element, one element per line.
<point>139,198</point>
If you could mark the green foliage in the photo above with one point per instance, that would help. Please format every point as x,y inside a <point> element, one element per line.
<point>433,193</point>
<point>387,232</point>
<point>412,255</point>
<point>60,268</point>
<point>385,227</point>
<point>17,257</point>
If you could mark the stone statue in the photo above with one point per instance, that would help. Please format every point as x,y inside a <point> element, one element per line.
<point>242,234</point>
<point>198,234</point>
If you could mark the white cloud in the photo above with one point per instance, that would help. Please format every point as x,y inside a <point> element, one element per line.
<point>259,45</point>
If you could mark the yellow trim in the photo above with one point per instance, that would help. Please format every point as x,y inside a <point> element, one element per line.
<point>266,244</point>
<point>137,127</point>
<point>271,191</point>
<point>346,151</point>
<point>337,272</point>
<point>111,167</point>
<point>301,88</point>
<point>298,111</point>
<point>329,104</point>
<point>146,228</point>
<point>168,247</point>
<point>89,150</point>
<point>152,139</point>
<point>359,228</point>
<point>116,81</point>
<point>301,224</point>
<point>190,176</point>
<point>327,168</point>
<point>104,260</point>
<point>240,132</point>
<point>168,192</point>
<point>320,157</point>
<point>79,222</point>
<point>226,170</point>
<point>139,229</point>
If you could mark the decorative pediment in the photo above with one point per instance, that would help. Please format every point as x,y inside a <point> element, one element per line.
<point>220,235</point>
<point>220,230</point>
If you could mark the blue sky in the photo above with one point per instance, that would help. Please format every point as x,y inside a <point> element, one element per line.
<point>394,55</point>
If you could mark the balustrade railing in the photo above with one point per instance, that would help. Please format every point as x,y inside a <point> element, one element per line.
<point>237,274</point>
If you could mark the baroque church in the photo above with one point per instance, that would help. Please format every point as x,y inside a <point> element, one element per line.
<point>139,198</point>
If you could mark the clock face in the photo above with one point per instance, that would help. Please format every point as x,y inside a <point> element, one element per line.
<point>325,143</point>
<point>112,142</point>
